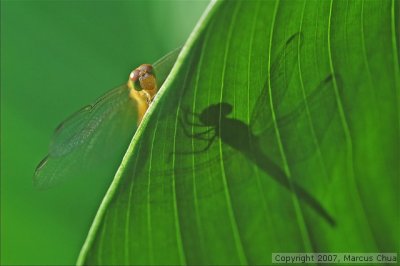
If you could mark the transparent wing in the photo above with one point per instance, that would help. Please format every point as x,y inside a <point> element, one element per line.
<point>163,66</point>
<point>291,121</point>
<point>303,127</point>
<point>89,138</point>
<point>79,127</point>
<point>317,108</point>
<point>92,141</point>
<point>281,73</point>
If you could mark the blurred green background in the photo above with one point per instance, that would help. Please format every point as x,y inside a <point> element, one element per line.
<point>55,58</point>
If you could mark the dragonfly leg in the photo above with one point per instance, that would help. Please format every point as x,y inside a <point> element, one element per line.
<point>200,134</point>
<point>188,111</point>
<point>210,142</point>
<point>190,134</point>
<point>189,114</point>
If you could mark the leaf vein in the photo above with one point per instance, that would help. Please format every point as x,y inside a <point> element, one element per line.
<point>235,229</point>
<point>294,197</point>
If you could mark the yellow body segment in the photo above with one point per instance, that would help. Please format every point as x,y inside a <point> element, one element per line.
<point>142,104</point>
<point>143,87</point>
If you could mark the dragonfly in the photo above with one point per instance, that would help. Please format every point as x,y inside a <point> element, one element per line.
<point>241,137</point>
<point>261,124</point>
<point>214,117</point>
<point>100,132</point>
<point>257,141</point>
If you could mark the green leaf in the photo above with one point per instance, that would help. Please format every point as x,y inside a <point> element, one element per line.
<point>277,130</point>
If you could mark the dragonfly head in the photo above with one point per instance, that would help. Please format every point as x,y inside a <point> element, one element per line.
<point>143,78</point>
<point>212,115</point>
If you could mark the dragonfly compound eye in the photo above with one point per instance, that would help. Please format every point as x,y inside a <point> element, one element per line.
<point>143,78</point>
<point>134,78</point>
<point>146,68</point>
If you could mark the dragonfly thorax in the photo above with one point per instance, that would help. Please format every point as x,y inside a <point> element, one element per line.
<point>212,115</point>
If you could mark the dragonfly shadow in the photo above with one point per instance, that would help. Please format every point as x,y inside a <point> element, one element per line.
<point>240,137</point>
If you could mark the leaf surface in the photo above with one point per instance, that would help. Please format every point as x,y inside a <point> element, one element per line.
<point>277,130</point>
